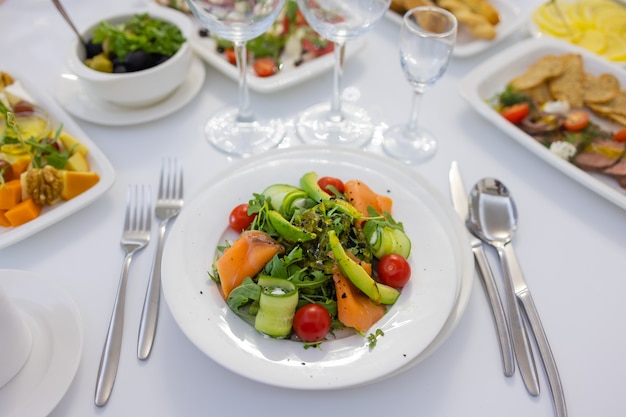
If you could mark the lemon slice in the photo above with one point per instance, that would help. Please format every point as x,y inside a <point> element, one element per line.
<point>593,40</point>
<point>615,47</point>
<point>546,23</point>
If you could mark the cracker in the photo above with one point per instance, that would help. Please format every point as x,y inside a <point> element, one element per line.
<point>547,67</point>
<point>619,118</point>
<point>540,93</point>
<point>600,89</point>
<point>568,86</point>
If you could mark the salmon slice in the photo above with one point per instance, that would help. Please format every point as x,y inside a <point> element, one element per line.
<point>360,195</point>
<point>246,257</point>
<point>354,308</point>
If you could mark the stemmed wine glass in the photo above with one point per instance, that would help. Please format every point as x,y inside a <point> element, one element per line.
<point>427,39</point>
<point>237,130</point>
<point>337,122</point>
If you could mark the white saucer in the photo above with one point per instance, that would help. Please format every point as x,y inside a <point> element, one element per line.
<point>71,95</point>
<point>56,327</point>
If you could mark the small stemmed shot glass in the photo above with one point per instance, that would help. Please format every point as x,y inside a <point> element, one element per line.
<point>427,39</point>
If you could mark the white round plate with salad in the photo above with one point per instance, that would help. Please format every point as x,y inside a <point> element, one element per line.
<point>417,323</point>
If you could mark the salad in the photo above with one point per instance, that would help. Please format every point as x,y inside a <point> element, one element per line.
<point>313,260</point>
<point>289,42</point>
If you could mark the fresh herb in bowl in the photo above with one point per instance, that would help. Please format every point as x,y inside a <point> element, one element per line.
<point>139,43</point>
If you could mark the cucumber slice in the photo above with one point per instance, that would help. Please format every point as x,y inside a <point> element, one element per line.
<point>277,192</point>
<point>293,200</point>
<point>277,306</point>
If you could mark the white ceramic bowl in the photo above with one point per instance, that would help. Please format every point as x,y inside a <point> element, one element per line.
<point>139,88</point>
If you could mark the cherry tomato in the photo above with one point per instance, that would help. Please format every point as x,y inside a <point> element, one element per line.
<point>323,48</point>
<point>264,67</point>
<point>229,53</point>
<point>325,182</point>
<point>620,136</point>
<point>576,121</point>
<point>394,270</point>
<point>311,323</point>
<point>239,220</point>
<point>516,112</point>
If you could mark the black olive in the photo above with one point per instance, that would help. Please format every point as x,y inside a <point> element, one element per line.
<point>137,60</point>
<point>159,59</point>
<point>93,49</point>
<point>204,33</point>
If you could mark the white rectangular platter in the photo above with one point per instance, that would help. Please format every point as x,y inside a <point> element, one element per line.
<point>492,76</point>
<point>97,161</point>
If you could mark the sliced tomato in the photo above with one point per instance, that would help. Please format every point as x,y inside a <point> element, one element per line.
<point>515,113</point>
<point>576,120</point>
<point>317,46</point>
<point>264,67</point>
<point>620,135</point>
<point>300,20</point>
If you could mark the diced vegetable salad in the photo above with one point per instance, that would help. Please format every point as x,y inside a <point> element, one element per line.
<point>289,42</point>
<point>313,259</point>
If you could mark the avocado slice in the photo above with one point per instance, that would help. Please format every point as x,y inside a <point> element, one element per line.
<point>287,230</point>
<point>352,270</point>
<point>308,182</point>
<point>388,295</point>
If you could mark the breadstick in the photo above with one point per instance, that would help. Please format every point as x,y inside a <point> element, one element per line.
<point>484,8</point>
<point>478,24</point>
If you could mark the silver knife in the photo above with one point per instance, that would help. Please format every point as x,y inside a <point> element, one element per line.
<point>459,201</point>
<point>549,364</point>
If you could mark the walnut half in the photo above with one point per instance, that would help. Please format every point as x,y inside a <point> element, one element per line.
<point>44,185</point>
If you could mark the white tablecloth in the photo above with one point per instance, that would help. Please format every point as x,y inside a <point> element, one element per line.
<point>571,244</point>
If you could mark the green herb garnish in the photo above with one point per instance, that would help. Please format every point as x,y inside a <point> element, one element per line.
<point>141,32</point>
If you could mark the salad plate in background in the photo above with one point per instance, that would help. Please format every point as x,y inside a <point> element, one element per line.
<point>491,77</point>
<point>511,21</point>
<point>295,66</point>
<point>289,75</point>
<point>98,163</point>
<point>426,309</point>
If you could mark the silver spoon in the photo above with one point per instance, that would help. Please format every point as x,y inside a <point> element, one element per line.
<point>67,18</point>
<point>493,218</point>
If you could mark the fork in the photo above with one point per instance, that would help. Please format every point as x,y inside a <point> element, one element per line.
<point>135,236</point>
<point>169,203</point>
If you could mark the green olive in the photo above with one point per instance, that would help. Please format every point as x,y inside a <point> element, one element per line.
<point>100,63</point>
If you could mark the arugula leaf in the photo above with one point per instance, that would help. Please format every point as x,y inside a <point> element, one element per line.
<point>244,299</point>
<point>373,338</point>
